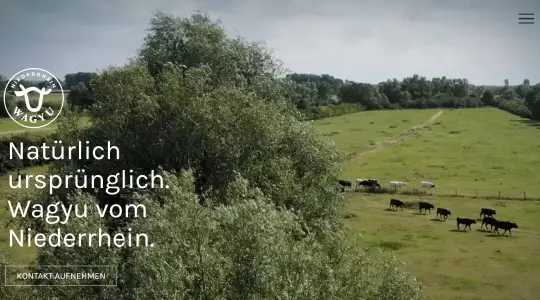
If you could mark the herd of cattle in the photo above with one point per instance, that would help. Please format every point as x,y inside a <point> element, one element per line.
<point>374,184</point>
<point>486,213</point>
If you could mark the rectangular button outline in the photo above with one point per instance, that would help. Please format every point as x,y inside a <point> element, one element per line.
<point>67,285</point>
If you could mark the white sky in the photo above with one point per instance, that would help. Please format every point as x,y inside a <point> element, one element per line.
<point>366,41</point>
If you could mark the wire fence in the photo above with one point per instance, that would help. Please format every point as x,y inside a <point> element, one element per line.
<point>453,192</point>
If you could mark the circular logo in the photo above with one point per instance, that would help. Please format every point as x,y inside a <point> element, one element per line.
<point>33,98</point>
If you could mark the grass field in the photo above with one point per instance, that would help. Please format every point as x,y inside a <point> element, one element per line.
<point>484,151</point>
<point>472,149</point>
<point>456,265</point>
<point>50,98</point>
<point>8,127</point>
<point>357,132</point>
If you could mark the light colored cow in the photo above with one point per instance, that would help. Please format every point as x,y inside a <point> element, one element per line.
<point>427,185</point>
<point>397,184</point>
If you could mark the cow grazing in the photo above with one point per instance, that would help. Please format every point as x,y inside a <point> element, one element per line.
<point>465,221</point>
<point>359,181</point>
<point>425,206</point>
<point>443,212</point>
<point>506,225</point>
<point>427,185</point>
<point>488,221</point>
<point>368,183</point>
<point>397,184</point>
<point>345,183</point>
<point>396,203</point>
<point>487,212</point>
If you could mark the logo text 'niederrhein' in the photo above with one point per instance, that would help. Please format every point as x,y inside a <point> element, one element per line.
<point>33,98</point>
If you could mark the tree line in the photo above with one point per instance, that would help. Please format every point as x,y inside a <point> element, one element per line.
<point>70,80</point>
<point>78,85</point>
<point>311,92</point>
<point>319,96</point>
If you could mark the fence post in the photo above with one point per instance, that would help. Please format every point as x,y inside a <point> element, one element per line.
<point>476,191</point>
<point>455,191</point>
<point>499,194</point>
<point>525,195</point>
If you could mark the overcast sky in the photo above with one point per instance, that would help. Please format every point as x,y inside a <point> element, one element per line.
<point>367,41</point>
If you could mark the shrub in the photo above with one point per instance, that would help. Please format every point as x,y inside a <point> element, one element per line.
<point>248,249</point>
<point>27,140</point>
<point>516,107</point>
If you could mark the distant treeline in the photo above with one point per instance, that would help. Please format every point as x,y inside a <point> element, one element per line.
<point>75,85</point>
<point>69,81</point>
<point>321,96</point>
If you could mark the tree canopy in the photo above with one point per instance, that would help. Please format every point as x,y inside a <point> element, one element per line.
<point>252,211</point>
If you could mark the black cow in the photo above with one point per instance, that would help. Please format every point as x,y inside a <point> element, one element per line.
<point>345,183</point>
<point>425,206</point>
<point>443,212</point>
<point>488,221</point>
<point>506,225</point>
<point>465,221</point>
<point>396,203</point>
<point>369,183</point>
<point>488,212</point>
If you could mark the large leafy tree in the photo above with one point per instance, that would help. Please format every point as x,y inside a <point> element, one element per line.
<point>252,211</point>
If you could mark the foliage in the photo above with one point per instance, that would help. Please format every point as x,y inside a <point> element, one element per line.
<point>3,81</point>
<point>532,100</point>
<point>247,249</point>
<point>27,140</point>
<point>9,104</point>
<point>516,107</point>
<point>414,92</point>
<point>320,112</point>
<point>73,79</point>
<point>7,292</point>
<point>254,205</point>
<point>200,41</point>
<point>81,96</point>
<point>488,98</point>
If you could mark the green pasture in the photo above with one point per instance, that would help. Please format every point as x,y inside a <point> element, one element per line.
<point>455,265</point>
<point>356,132</point>
<point>9,127</point>
<point>50,98</point>
<point>471,152</point>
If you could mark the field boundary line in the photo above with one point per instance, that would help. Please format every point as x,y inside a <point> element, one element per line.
<point>445,195</point>
<point>395,139</point>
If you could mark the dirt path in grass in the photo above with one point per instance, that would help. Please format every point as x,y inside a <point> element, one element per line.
<point>399,138</point>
